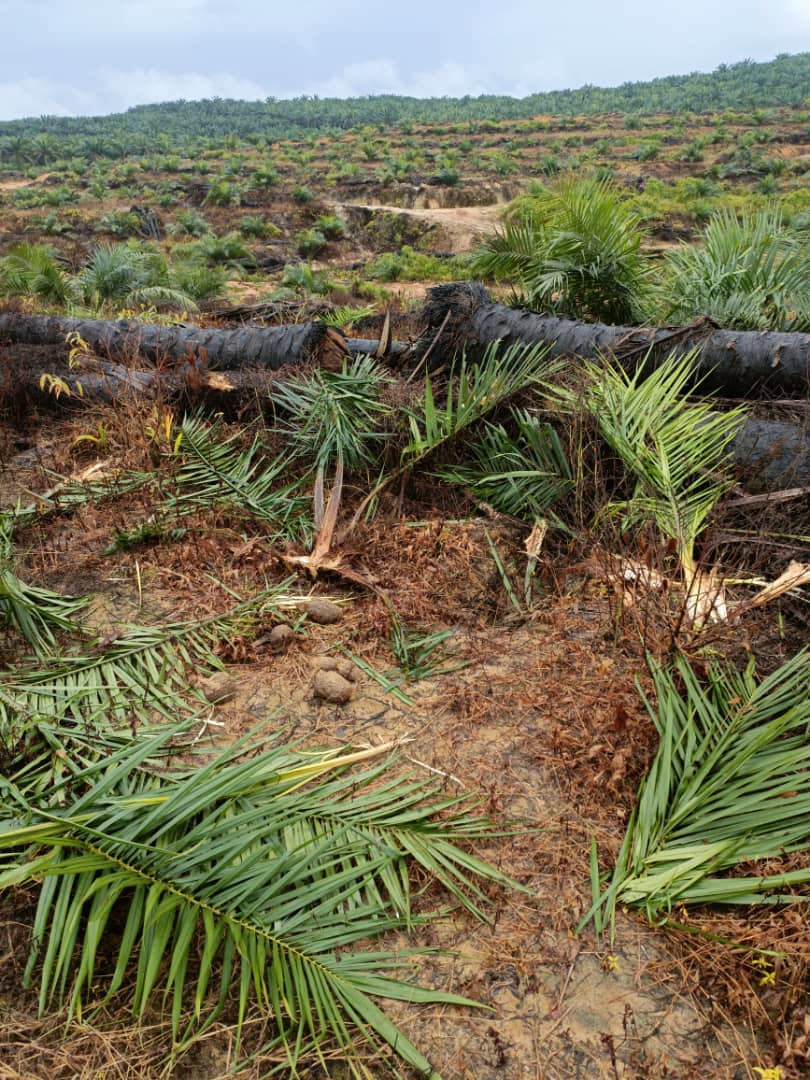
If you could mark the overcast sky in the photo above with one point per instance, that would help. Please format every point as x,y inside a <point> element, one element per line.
<point>72,57</point>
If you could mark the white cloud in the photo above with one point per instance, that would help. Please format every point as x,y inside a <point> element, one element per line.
<point>145,86</point>
<point>252,48</point>
<point>37,97</point>
<point>127,22</point>
<point>384,76</point>
<point>115,91</point>
<point>800,12</point>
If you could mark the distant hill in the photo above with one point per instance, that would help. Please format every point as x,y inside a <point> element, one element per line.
<point>744,85</point>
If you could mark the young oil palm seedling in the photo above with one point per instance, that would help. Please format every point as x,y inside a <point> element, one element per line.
<point>729,785</point>
<point>33,270</point>
<point>675,452</point>
<point>229,251</point>
<point>750,272</point>
<point>574,249</point>
<point>129,275</point>
<point>189,223</point>
<point>199,282</point>
<point>301,279</point>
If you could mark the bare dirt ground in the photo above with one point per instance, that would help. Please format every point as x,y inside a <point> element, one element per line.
<point>463,226</point>
<point>14,185</point>
<point>543,720</point>
<point>558,1005</point>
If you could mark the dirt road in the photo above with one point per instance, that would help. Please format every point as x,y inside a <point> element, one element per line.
<point>464,226</point>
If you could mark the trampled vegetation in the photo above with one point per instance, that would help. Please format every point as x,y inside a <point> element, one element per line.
<point>312,680</point>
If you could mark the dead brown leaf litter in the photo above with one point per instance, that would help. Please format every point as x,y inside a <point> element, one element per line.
<point>544,720</point>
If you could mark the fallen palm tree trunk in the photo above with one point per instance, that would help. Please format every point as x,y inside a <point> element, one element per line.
<point>739,363</point>
<point>51,383</point>
<point>370,347</point>
<point>771,455</point>
<point>226,350</point>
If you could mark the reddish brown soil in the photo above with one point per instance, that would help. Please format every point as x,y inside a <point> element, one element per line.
<point>544,721</point>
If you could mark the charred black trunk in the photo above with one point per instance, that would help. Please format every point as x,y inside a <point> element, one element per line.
<point>38,381</point>
<point>772,454</point>
<point>226,350</point>
<point>738,363</point>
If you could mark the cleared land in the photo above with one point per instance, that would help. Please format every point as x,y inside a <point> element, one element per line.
<point>542,715</point>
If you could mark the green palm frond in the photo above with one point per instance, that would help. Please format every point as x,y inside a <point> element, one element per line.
<point>215,472</point>
<point>522,475</point>
<point>730,784</point>
<point>162,296</point>
<point>511,252</point>
<point>131,274</point>
<point>335,414</point>
<point>33,269</point>
<point>416,650</point>
<point>345,316</point>
<point>675,452</point>
<point>67,494</point>
<point>34,612</point>
<point>43,758</point>
<point>138,676</point>
<point>113,272</point>
<point>257,873</point>
<point>474,390</point>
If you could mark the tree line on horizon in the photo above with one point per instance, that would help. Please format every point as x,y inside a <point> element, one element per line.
<point>747,84</point>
